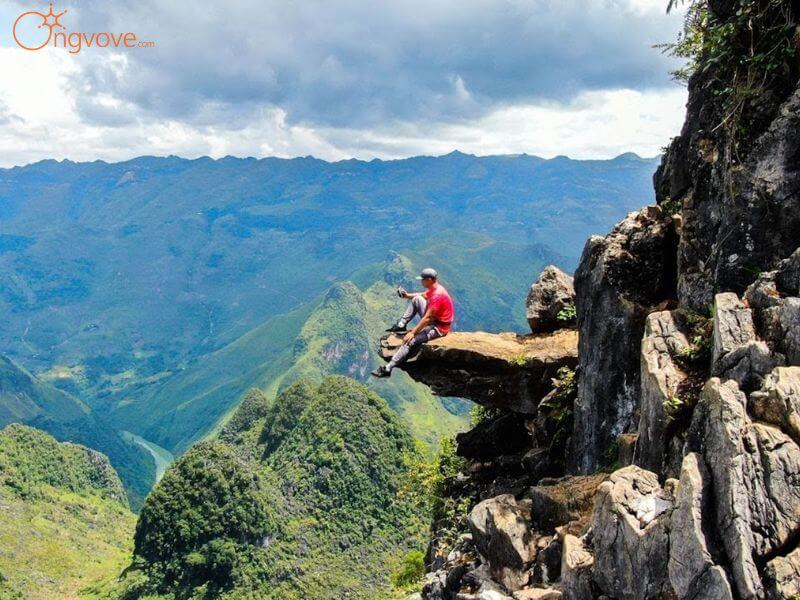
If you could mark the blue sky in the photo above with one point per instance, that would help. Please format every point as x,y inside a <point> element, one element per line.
<point>340,79</point>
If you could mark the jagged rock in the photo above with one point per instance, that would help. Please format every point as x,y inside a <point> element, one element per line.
<point>547,567</point>
<point>627,448</point>
<point>447,573</point>
<point>630,527</point>
<point>747,365</point>
<point>485,588</point>
<point>778,401</point>
<point>661,378</point>
<point>435,586</point>
<point>501,530</point>
<point>739,200</point>
<point>693,572</point>
<point>563,501</point>
<point>782,576</point>
<point>777,319</point>
<point>755,469</point>
<point>737,354</point>
<point>733,326</point>
<point>502,370</point>
<point>787,278</point>
<point>619,280</point>
<point>789,320</point>
<point>503,434</point>
<point>576,569</point>
<point>552,293</point>
<point>536,463</point>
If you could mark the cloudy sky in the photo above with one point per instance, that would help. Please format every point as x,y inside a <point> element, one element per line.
<point>339,79</point>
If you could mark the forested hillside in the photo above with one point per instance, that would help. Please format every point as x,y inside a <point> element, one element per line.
<point>25,399</point>
<point>64,522</point>
<point>307,497</point>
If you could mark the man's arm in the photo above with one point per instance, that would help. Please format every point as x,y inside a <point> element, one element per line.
<point>410,295</point>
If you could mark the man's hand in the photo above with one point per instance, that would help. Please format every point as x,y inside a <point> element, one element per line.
<point>408,337</point>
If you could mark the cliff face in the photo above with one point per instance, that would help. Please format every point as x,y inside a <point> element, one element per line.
<point>733,171</point>
<point>667,464</point>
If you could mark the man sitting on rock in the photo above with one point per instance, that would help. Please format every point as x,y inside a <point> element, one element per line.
<point>434,307</point>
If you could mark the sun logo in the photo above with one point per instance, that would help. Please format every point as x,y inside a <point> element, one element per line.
<point>26,22</point>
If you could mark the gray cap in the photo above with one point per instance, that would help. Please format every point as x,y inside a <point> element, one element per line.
<point>428,274</point>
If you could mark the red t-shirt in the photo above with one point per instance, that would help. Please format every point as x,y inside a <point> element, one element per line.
<point>440,307</point>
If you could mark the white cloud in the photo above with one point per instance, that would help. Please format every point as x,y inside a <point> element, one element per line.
<point>379,79</point>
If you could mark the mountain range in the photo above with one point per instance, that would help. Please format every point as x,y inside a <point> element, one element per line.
<point>155,292</point>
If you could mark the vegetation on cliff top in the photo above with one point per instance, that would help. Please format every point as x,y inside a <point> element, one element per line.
<point>742,52</point>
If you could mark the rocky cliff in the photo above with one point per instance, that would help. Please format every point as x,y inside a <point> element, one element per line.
<point>663,461</point>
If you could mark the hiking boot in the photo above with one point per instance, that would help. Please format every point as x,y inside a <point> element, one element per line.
<point>381,372</point>
<point>397,328</point>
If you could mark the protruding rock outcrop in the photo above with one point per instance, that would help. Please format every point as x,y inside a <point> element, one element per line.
<point>737,354</point>
<point>502,370</point>
<point>778,401</point>
<point>621,278</point>
<point>501,530</point>
<point>776,314</point>
<point>661,380</point>
<point>551,301</point>
<point>754,469</point>
<point>693,571</point>
<point>630,529</point>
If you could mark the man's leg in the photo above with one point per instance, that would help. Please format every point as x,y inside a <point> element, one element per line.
<point>412,347</point>
<point>416,308</point>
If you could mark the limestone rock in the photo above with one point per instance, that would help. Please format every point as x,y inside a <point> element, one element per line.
<point>630,526</point>
<point>747,365</point>
<point>738,355</point>
<point>787,278</point>
<point>552,293</point>
<point>627,448</point>
<point>727,235</point>
<point>782,576</point>
<point>563,501</point>
<point>620,279</point>
<point>502,370</point>
<point>777,318</point>
<point>693,572</point>
<point>778,402</point>
<point>789,319</point>
<point>480,580</point>
<point>547,567</point>
<point>503,434</point>
<point>755,469</point>
<point>661,378</point>
<point>576,569</point>
<point>537,463</point>
<point>733,326</point>
<point>501,530</point>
